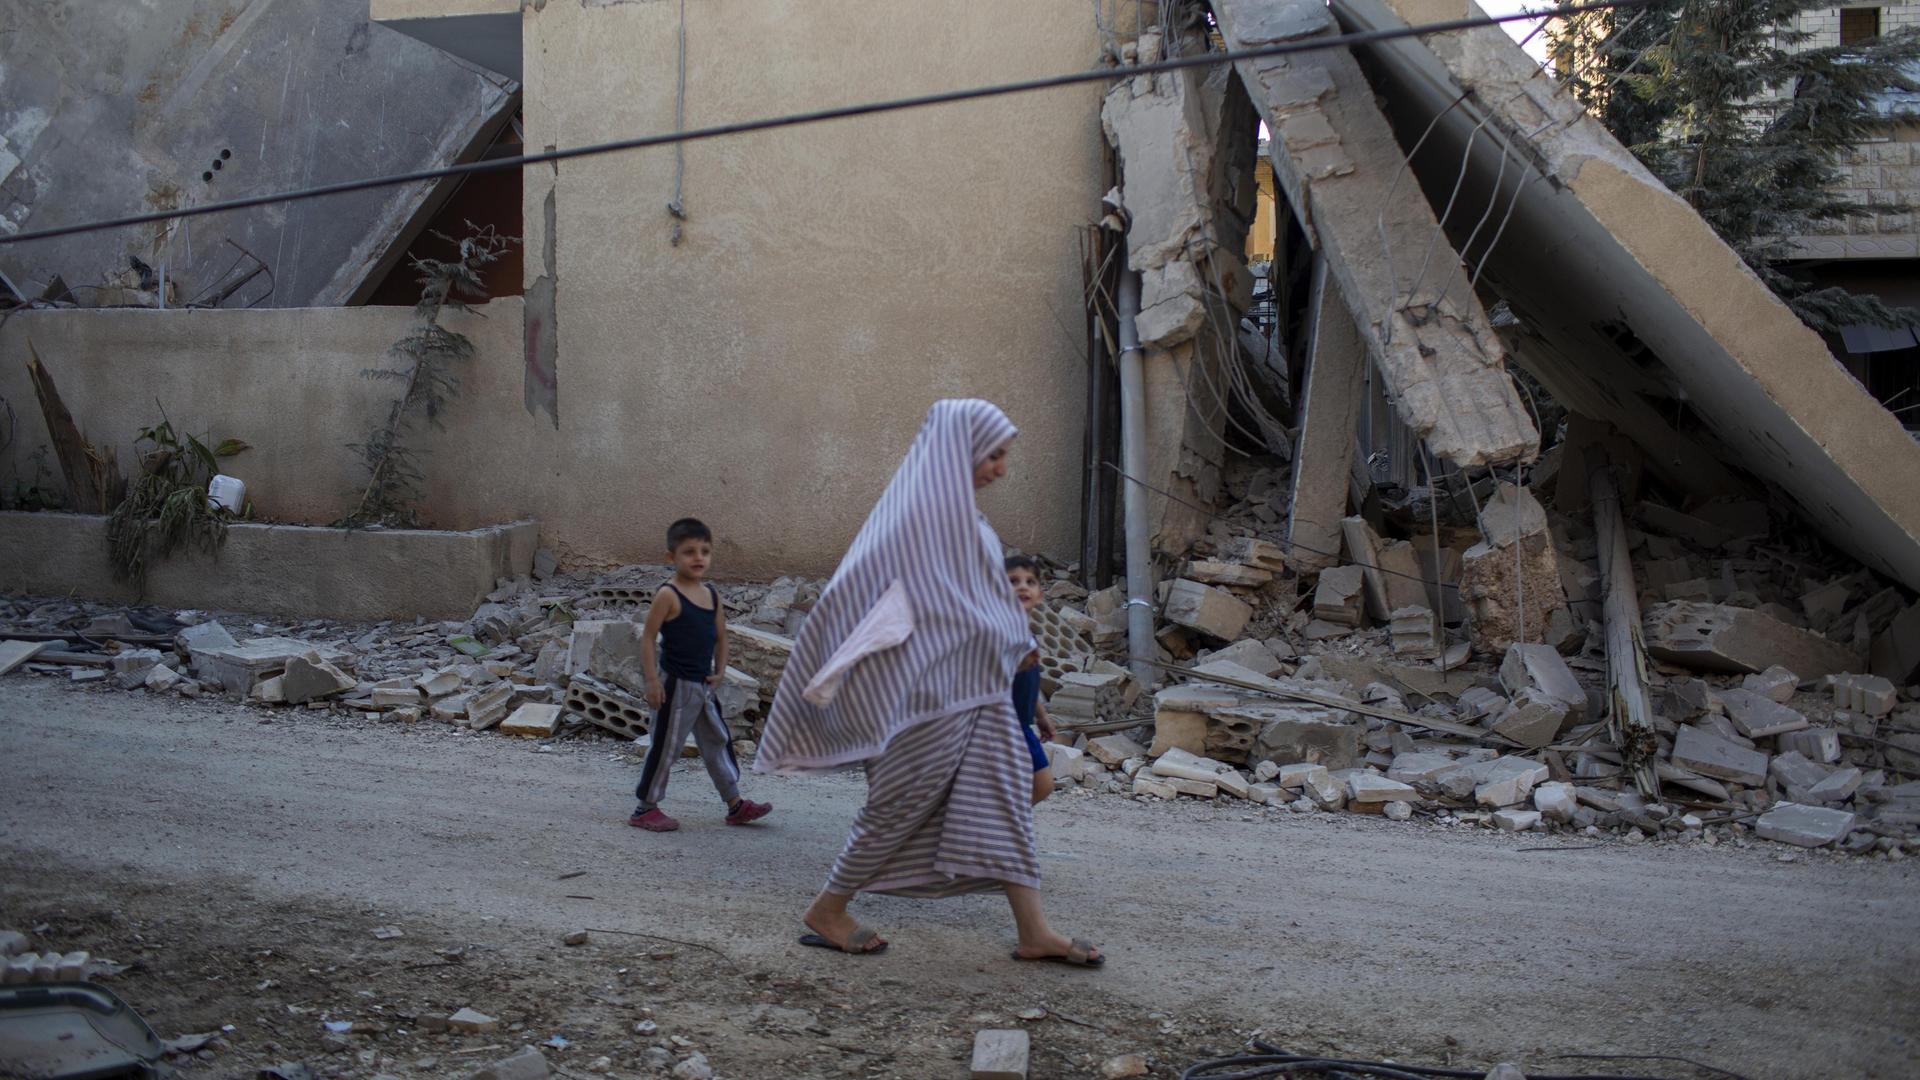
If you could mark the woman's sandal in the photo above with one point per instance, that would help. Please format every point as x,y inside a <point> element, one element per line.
<point>859,943</point>
<point>1080,954</point>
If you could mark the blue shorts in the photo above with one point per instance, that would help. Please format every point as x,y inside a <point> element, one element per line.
<point>1035,748</point>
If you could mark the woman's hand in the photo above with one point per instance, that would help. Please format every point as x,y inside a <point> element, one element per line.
<point>1044,724</point>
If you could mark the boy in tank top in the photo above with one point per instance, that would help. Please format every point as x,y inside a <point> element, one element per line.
<point>691,627</point>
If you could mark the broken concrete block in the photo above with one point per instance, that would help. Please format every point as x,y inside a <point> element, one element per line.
<point>1715,637</point>
<point>15,653</point>
<point>1114,750</point>
<point>472,1022</point>
<point>1297,733</point>
<point>1000,1054</point>
<point>1556,802</point>
<point>161,678</point>
<point>1249,654</point>
<point>438,684</point>
<point>387,697</point>
<point>1230,575</point>
<point>1213,612</point>
<point>1338,598</point>
<point>608,706</point>
<point>1372,789</point>
<point>1709,754</point>
<point>488,706</point>
<point>1804,826</point>
<point>1838,787</point>
<point>1411,768</point>
<point>1542,668</point>
<point>1233,782</point>
<point>1063,760</point>
<point>1516,820</point>
<point>609,650</point>
<point>1796,774</point>
<point>1477,701</point>
<point>130,666</point>
<point>1868,694</point>
<point>1255,552</point>
<point>309,678</point>
<point>238,667</point>
<point>1776,684</point>
<point>1532,719</point>
<point>201,637</point>
<point>1758,717</point>
<point>1145,782</point>
<point>1505,606</point>
<point>451,709</point>
<point>1815,744</point>
<point>1180,764</point>
<point>1414,633</point>
<point>1266,794</point>
<point>1506,781</point>
<point>1896,650</point>
<point>1299,774</point>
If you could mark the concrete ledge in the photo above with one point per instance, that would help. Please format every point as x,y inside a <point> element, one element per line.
<point>277,569</point>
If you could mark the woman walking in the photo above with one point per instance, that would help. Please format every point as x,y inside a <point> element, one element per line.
<point>905,666</point>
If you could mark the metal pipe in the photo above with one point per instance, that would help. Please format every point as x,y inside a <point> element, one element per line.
<point>1133,460</point>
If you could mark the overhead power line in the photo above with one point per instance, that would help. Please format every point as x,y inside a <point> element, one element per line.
<point>743,127</point>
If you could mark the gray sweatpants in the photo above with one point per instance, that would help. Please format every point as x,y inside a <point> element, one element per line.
<point>689,706</point>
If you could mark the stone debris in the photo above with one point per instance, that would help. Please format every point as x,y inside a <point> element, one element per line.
<point>1000,1054</point>
<point>1804,826</point>
<point>534,719</point>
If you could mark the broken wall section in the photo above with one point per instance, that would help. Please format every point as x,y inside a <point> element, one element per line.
<point>1186,145</point>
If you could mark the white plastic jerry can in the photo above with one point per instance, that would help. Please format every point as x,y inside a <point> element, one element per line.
<point>227,491</point>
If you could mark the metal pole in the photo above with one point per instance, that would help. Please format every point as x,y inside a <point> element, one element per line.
<point>1133,458</point>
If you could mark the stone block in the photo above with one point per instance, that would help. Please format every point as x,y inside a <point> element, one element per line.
<point>201,637</point>
<point>1556,802</point>
<point>386,697</point>
<point>1181,764</point>
<point>1804,826</point>
<point>1000,1054</point>
<point>1233,782</point>
<point>1266,794</point>
<point>1290,734</point>
<point>1531,719</point>
<point>1296,776</point>
<point>309,678</point>
<point>1738,641</point>
<point>1838,787</point>
<point>1815,744</point>
<point>438,684</point>
<point>1252,655</point>
<point>1372,789</point>
<point>1145,782</point>
<point>12,943</point>
<point>73,966</point>
<point>1174,729</point>
<point>1338,597</point>
<point>1516,820</point>
<point>130,666</point>
<point>1063,760</point>
<point>1506,781</point>
<point>1723,759</point>
<point>1213,612</point>
<point>1114,750</point>
<point>1414,633</point>
<point>1229,575</point>
<point>1477,702</point>
<point>489,706</point>
<point>238,667</point>
<point>1542,668</point>
<point>451,709</point>
<point>1796,775</point>
<point>1775,684</point>
<point>1758,717</point>
<point>1419,765</point>
<point>15,653</point>
<point>1255,552</point>
<point>472,1022</point>
<point>1871,695</point>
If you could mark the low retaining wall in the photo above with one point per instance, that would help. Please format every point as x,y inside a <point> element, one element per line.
<point>277,569</point>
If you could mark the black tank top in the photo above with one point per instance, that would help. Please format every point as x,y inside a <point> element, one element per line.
<point>687,640</point>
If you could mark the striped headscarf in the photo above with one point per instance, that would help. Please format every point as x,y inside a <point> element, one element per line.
<point>969,632</point>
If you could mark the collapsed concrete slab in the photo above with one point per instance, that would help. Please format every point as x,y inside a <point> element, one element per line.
<point>1345,177</point>
<point>1630,309</point>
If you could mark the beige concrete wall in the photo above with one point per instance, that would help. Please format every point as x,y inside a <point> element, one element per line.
<point>832,280</point>
<point>287,381</point>
<point>764,375</point>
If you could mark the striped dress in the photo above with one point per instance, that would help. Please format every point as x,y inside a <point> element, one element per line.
<point>949,785</point>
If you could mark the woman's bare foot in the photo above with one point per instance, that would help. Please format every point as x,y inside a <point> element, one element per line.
<point>827,916</point>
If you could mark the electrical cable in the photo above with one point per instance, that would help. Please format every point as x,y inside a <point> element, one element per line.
<point>1110,74</point>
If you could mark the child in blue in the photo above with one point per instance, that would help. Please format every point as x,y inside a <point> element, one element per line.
<point>687,619</point>
<point>1024,575</point>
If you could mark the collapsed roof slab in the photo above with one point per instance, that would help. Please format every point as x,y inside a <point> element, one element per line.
<point>1346,178</point>
<point>1631,288</point>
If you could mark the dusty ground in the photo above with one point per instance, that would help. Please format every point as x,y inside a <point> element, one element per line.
<point>241,859</point>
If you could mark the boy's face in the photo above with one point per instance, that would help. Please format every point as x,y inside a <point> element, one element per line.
<point>1026,587</point>
<point>692,558</point>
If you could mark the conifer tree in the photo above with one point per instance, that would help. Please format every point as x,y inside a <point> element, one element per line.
<point>1725,103</point>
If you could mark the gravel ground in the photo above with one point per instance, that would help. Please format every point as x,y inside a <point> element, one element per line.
<point>240,860</point>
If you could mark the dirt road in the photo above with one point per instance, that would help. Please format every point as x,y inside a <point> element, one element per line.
<point>1332,932</point>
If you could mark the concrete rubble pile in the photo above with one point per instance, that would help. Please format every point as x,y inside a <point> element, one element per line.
<point>543,655</point>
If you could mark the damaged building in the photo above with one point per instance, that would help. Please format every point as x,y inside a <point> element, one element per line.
<point>1383,415</point>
